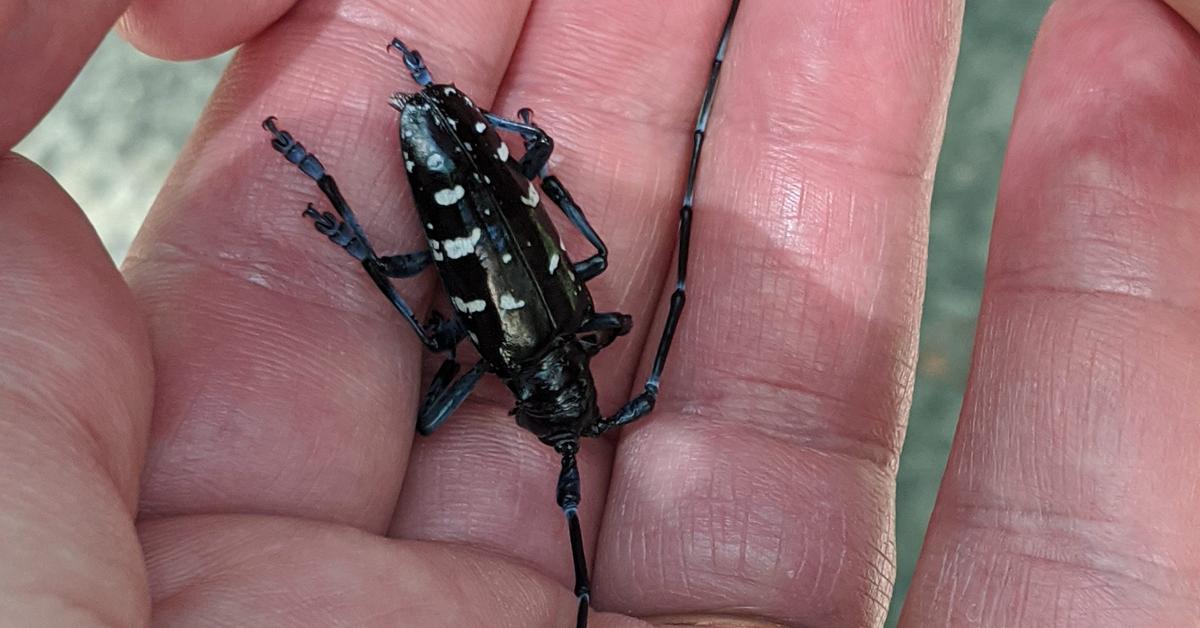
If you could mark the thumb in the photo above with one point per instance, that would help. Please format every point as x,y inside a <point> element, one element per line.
<point>75,399</point>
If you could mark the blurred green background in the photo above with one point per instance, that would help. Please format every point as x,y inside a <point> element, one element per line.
<point>114,136</point>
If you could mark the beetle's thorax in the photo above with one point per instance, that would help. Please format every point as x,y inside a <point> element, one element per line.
<point>556,395</point>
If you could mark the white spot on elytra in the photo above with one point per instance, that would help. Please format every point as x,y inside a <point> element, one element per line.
<point>479,127</point>
<point>408,165</point>
<point>429,225</point>
<point>449,196</point>
<point>462,247</point>
<point>553,263</point>
<point>469,307</point>
<point>435,161</point>
<point>531,199</point>
<point>507,302</point>
<point>450,90</point>
<point>502,152</point>
<point>453,123</point>
<point>433,248</point>
<point>506,258</point>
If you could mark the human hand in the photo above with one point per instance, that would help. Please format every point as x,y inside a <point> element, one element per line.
<point>760,492</point>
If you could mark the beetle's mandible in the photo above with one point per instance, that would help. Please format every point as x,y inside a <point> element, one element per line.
<point>516,294</point>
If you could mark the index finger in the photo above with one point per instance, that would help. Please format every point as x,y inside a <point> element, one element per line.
<point>763,484</point>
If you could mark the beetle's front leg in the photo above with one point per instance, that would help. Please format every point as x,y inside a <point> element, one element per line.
<point>637,408</point>
<point>444,397</point>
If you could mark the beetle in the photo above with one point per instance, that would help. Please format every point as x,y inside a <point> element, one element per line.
<point>517,295</point>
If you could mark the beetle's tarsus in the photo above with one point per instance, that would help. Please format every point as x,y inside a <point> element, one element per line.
<point>413,61</point>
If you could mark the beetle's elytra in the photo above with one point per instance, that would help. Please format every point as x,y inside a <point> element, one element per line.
<point>516,293</point>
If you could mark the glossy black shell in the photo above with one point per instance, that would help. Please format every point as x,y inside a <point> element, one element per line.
<point>497,252</point>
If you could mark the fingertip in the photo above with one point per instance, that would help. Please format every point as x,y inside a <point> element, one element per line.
<point>1189,9</point>
<point>180,31</point>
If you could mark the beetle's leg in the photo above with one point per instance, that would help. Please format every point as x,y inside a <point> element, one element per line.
<point>347,231</point>
<point>538,144</point>
<point>568,499</point>
<point>413,61</point>
<point>602,329</point>
<point>444,334</point>
<point>342,234</point>
<point>591,267</point>
<point>444,397</point>
<point>406,265</point>
<point>642,404</point>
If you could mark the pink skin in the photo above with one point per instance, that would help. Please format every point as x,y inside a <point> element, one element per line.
<point>761,491</point>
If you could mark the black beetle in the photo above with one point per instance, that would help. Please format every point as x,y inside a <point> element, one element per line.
<point>517,296</point>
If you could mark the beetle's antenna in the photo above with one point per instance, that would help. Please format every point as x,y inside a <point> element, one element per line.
<point>642,404</point>
<point>685,212</point>
<point>568,500</point>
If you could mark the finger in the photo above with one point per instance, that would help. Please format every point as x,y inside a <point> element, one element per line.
<point>179,29</point>
<point>763,484</point>
<point>75,395</point>
<point>43,49</point>
<point>618,84</point>
<point>264,571</point>
<point>285,381</point>
<point>1069,498</point>
<point>1189,9</point>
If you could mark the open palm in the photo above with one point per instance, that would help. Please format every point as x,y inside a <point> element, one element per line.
<point>246,396</point>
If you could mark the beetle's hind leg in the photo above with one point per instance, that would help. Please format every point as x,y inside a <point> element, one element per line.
<point>344,230</point>
<point>538,147</point>
<point>413,61</point>
<point>591,267</point>
<point>538,144</point>
<point>345,235</point>
<point>446,394</point>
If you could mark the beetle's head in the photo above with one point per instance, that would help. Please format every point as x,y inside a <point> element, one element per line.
<point>556,397</point>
